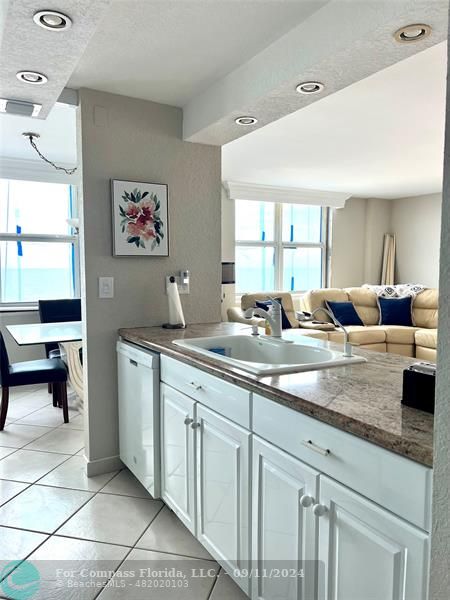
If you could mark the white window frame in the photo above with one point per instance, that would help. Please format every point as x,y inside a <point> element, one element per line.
<point>279,245</point>
<point>47,238</point>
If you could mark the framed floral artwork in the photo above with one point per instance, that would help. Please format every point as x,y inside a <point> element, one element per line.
<point>140,218</point>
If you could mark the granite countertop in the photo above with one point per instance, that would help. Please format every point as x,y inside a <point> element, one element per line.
<point>362,399</point>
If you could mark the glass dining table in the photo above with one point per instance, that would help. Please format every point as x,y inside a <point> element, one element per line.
<point>68,335</point>
<point>30,334</point>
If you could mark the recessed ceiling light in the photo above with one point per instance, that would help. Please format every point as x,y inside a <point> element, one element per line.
<point>246,121</point>
<point>32,77</point>
<point>19,107</point>
<point>52,20</point>
<point>412,33</point>
<point>310,87</point>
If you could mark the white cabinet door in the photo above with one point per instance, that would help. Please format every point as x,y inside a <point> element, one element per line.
<point>368,553</point>
<point>284,531</point>
<point>223,490</point>
<point>178,454</point>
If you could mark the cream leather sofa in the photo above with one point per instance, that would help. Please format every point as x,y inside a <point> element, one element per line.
<point>419,341</point>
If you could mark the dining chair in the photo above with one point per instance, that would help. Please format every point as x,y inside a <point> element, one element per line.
<point>32,372</point>
<point>58,311</point>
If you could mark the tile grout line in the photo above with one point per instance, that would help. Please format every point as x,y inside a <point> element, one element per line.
<point>114,572</point>
<point>130,548</point>
<point>32,411</point>
<point>33,450</point>
<point>215,583</point>
<point>69,456</point>
<point>18,493</point>
<point>29,554</point>
<point>70,537</point>
<point>48,433</point>
<point>154,518</point>
<point>61,424</point>
<point>174,553</point>
<point>156,551</point>
<point>94,494</point>
<point>51,429</point>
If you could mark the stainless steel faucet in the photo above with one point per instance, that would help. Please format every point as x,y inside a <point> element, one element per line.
<point>347,346</point>
<point>274,317</point>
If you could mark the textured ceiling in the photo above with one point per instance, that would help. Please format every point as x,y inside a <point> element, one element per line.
<point>338,45</point>
<point>25,46</point>
<point>381,137</point>
<point>169,51</point>
<point>57,141</point>
<point>219,59</point>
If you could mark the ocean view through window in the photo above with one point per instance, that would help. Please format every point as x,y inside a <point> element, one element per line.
<point>38,250</point>
<point>280,246</point>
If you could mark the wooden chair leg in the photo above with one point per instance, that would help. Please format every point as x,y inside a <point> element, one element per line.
<point>4,407</point>
<point>50,391</point>
<point>63,397</point>
<point>56,394</point>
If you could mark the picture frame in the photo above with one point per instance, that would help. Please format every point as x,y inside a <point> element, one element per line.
<point>140,218</point>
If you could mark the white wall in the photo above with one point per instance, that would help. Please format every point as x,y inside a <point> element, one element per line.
<point>228,298</point>
<point>130,139</point>
<point>378,222</point>
<point>347,244</point>
<point>228,237</point>
<point>357,240</point>
<point>440,533</point>
<point>416,223</point>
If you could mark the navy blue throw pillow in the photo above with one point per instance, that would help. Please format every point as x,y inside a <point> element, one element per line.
<point>395,311</point>
<point>266,304</point>
<point>344,312</point>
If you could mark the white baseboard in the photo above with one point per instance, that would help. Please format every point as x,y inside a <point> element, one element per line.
<point>103,465</point>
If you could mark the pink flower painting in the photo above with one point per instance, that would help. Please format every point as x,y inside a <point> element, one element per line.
<point>140,218</point>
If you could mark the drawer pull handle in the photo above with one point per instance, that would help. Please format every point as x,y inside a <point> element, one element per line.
<point>188,421</point>
<point>306,500</point>
<point>133,362</point>
<point>312,446</point>
<point>196,386</point>
<point>319,510</point>
<point>195,425</point>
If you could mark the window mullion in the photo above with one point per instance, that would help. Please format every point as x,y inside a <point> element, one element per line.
<point>254,244</point>
<point>278,237</point>
<point>36,237</point>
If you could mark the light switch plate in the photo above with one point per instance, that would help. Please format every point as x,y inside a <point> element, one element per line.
<point>106,287</point>
<point>183,286</point>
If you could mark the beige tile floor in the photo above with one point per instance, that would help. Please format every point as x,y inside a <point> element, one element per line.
<point>52,514</point>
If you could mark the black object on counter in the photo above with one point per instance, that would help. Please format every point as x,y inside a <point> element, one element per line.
<point>419,382</point>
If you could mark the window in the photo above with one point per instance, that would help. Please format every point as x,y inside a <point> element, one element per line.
<point>280,246</point>
<point>38,252</point>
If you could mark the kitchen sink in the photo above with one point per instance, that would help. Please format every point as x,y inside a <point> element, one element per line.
<point>266,355</point>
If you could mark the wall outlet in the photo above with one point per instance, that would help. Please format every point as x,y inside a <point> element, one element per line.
<point>106,287</point>
<point>182,281</point>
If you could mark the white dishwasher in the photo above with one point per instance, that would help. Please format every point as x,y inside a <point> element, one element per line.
<point>138,375</point>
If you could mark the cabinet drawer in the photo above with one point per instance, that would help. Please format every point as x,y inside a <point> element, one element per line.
<point>221,396</point>
<point>397,483</point>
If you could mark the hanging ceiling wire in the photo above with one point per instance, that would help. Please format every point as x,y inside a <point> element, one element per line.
<point>30,135</point>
